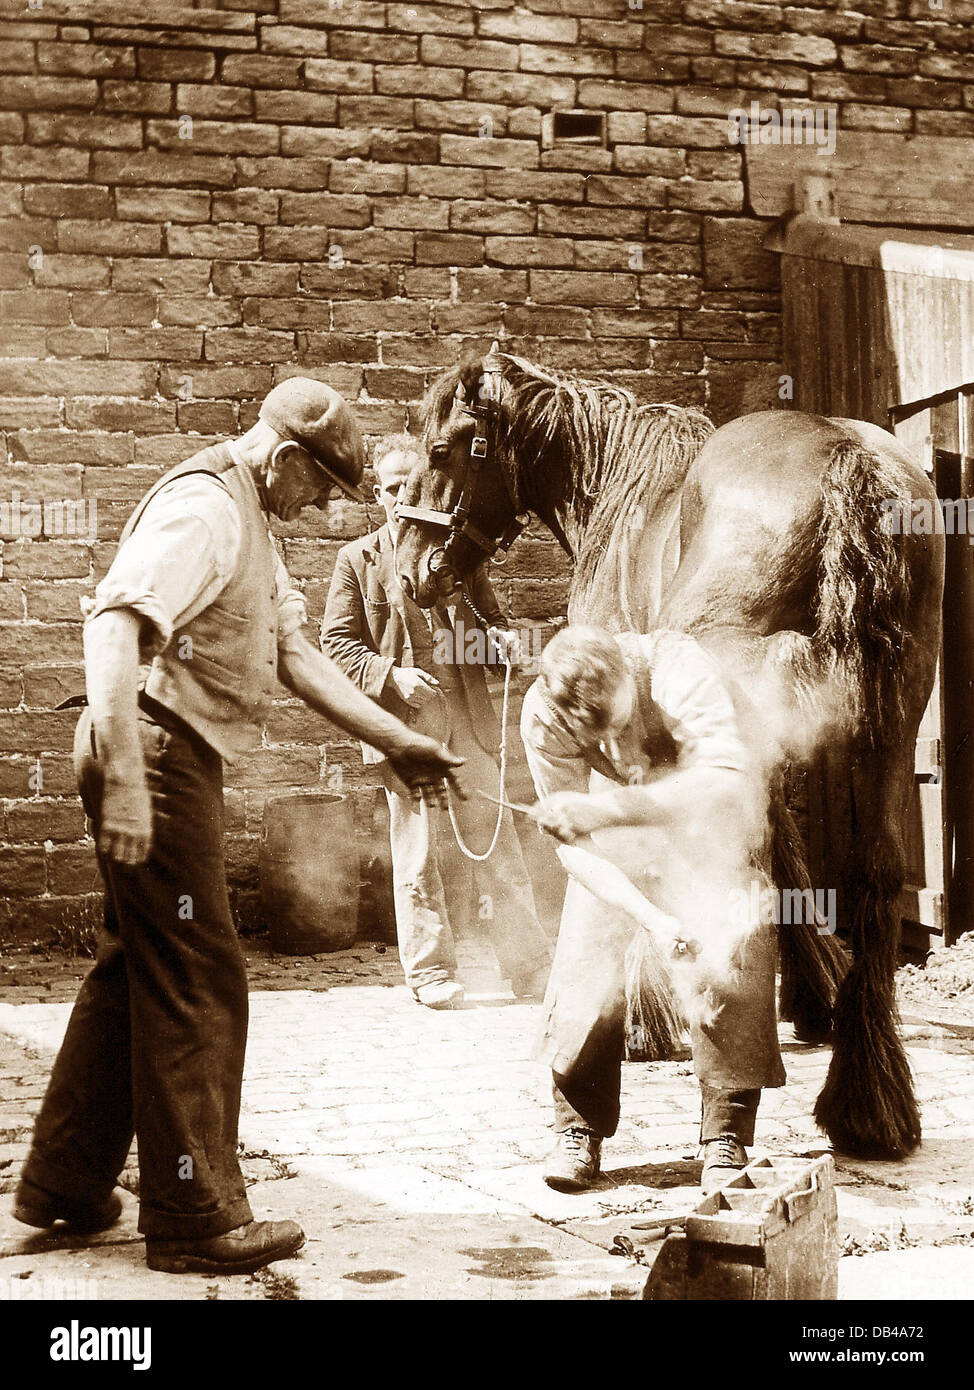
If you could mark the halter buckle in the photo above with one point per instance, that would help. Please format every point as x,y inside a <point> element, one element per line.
<point>478,447</point>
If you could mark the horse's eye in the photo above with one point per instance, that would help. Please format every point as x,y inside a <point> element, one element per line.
<point>439,453</point>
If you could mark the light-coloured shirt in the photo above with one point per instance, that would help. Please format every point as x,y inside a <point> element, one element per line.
<point>687,685</point>
<point>179,559</point>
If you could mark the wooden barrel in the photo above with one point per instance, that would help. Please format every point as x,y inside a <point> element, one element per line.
<point>309,873</point>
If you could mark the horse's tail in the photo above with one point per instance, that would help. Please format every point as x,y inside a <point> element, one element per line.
<point>863,640</point>
<point>863,592</point>
<point>867,1105</point>
<point>847,677</point>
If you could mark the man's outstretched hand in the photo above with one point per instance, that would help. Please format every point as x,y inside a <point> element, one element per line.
<point>426,766</point>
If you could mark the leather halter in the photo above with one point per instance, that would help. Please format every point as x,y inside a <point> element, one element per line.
<point>486,413</point>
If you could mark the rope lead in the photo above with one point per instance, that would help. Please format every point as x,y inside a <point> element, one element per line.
<point>463,847</point>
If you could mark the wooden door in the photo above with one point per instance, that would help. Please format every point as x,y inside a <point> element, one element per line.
<point>939,900</point>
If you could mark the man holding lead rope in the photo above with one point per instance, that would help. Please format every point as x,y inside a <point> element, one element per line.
<point>422,666</point>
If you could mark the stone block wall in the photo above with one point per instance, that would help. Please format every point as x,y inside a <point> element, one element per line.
<point>197,202</point>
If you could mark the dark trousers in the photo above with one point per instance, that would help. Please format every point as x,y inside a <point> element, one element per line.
<point>588,1096</point>
<point>155,1043</point>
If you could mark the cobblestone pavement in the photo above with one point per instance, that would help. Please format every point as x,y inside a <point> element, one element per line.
<point>408,1144</point>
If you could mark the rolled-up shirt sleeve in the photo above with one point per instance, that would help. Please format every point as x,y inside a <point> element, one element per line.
<point>292,612</point>
<point>180,556</point>
<point>689,687</point>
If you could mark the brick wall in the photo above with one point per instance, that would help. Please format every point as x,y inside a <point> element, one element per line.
<point>197,204</point>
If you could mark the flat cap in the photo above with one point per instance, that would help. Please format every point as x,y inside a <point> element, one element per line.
<point>316,417</point>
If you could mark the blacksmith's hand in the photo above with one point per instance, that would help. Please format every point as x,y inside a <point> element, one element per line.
<point>126,820</point>
<point>413,685</point>
<point>508,645</point>
<point>567,815</point>
<point>426,767</point>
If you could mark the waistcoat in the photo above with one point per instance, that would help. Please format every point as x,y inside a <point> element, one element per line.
<point>218,672</point>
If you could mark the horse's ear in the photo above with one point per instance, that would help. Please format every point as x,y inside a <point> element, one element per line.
<point>460,393</point>
<point>495,348</point>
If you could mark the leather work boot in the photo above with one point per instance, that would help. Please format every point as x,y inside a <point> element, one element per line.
<point>442,994</point>
<point>34,1206</point>
<point>573,1163</point>
<point>240,1251</point>
<point>723,1159</point>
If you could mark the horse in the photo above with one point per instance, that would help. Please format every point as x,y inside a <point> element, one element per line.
<point>768,540</point>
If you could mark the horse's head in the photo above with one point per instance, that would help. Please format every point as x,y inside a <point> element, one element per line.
<point>459,505</point>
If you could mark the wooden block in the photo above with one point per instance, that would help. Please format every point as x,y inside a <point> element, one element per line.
<point>892,179</point>
<point>926,758</point>
<point>924,906</point>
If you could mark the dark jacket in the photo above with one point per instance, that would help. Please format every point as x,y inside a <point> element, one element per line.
<point>370,626</point>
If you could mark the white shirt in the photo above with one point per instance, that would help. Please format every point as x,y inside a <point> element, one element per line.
<point>181,556</point>
<point>688,687</point>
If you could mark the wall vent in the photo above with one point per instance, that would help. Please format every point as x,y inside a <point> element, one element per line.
<point>573,128</point>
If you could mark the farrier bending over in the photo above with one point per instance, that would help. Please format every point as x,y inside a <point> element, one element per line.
<point>634,740</point>
<point>155,1044</point>
<point>414,662</point>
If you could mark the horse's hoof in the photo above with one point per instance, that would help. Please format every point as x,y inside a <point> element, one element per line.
<point>813,1028</point>
<point>813,1037</point>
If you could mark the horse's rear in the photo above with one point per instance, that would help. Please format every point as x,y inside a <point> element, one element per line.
<point>766,539</point>
<point>829,626</point>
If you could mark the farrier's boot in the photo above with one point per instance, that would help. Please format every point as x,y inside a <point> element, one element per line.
<point>240,1251</point>
<point>35,1206</point>
<point>573,1163</point>
<point>723,1159</point>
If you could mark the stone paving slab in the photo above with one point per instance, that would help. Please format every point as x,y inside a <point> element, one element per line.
<point>108,1266</point>
<point>934,1274</point>
<point>409,1142</point>
<point>380,1234</point>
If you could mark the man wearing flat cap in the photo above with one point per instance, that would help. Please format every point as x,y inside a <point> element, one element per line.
<point>155,1044</point>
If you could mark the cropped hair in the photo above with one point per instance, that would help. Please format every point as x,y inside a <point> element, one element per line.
<point>395,444</point>
<point>581,668</point>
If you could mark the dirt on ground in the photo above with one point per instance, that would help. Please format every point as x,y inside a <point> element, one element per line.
<point>945,982</point>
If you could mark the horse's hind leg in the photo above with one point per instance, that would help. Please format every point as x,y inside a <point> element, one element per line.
<point>812,961</point>
<point>867,1106</point>
<point>785,707</point>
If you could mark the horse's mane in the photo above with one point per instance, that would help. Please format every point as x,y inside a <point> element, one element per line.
<point>624,460</point>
